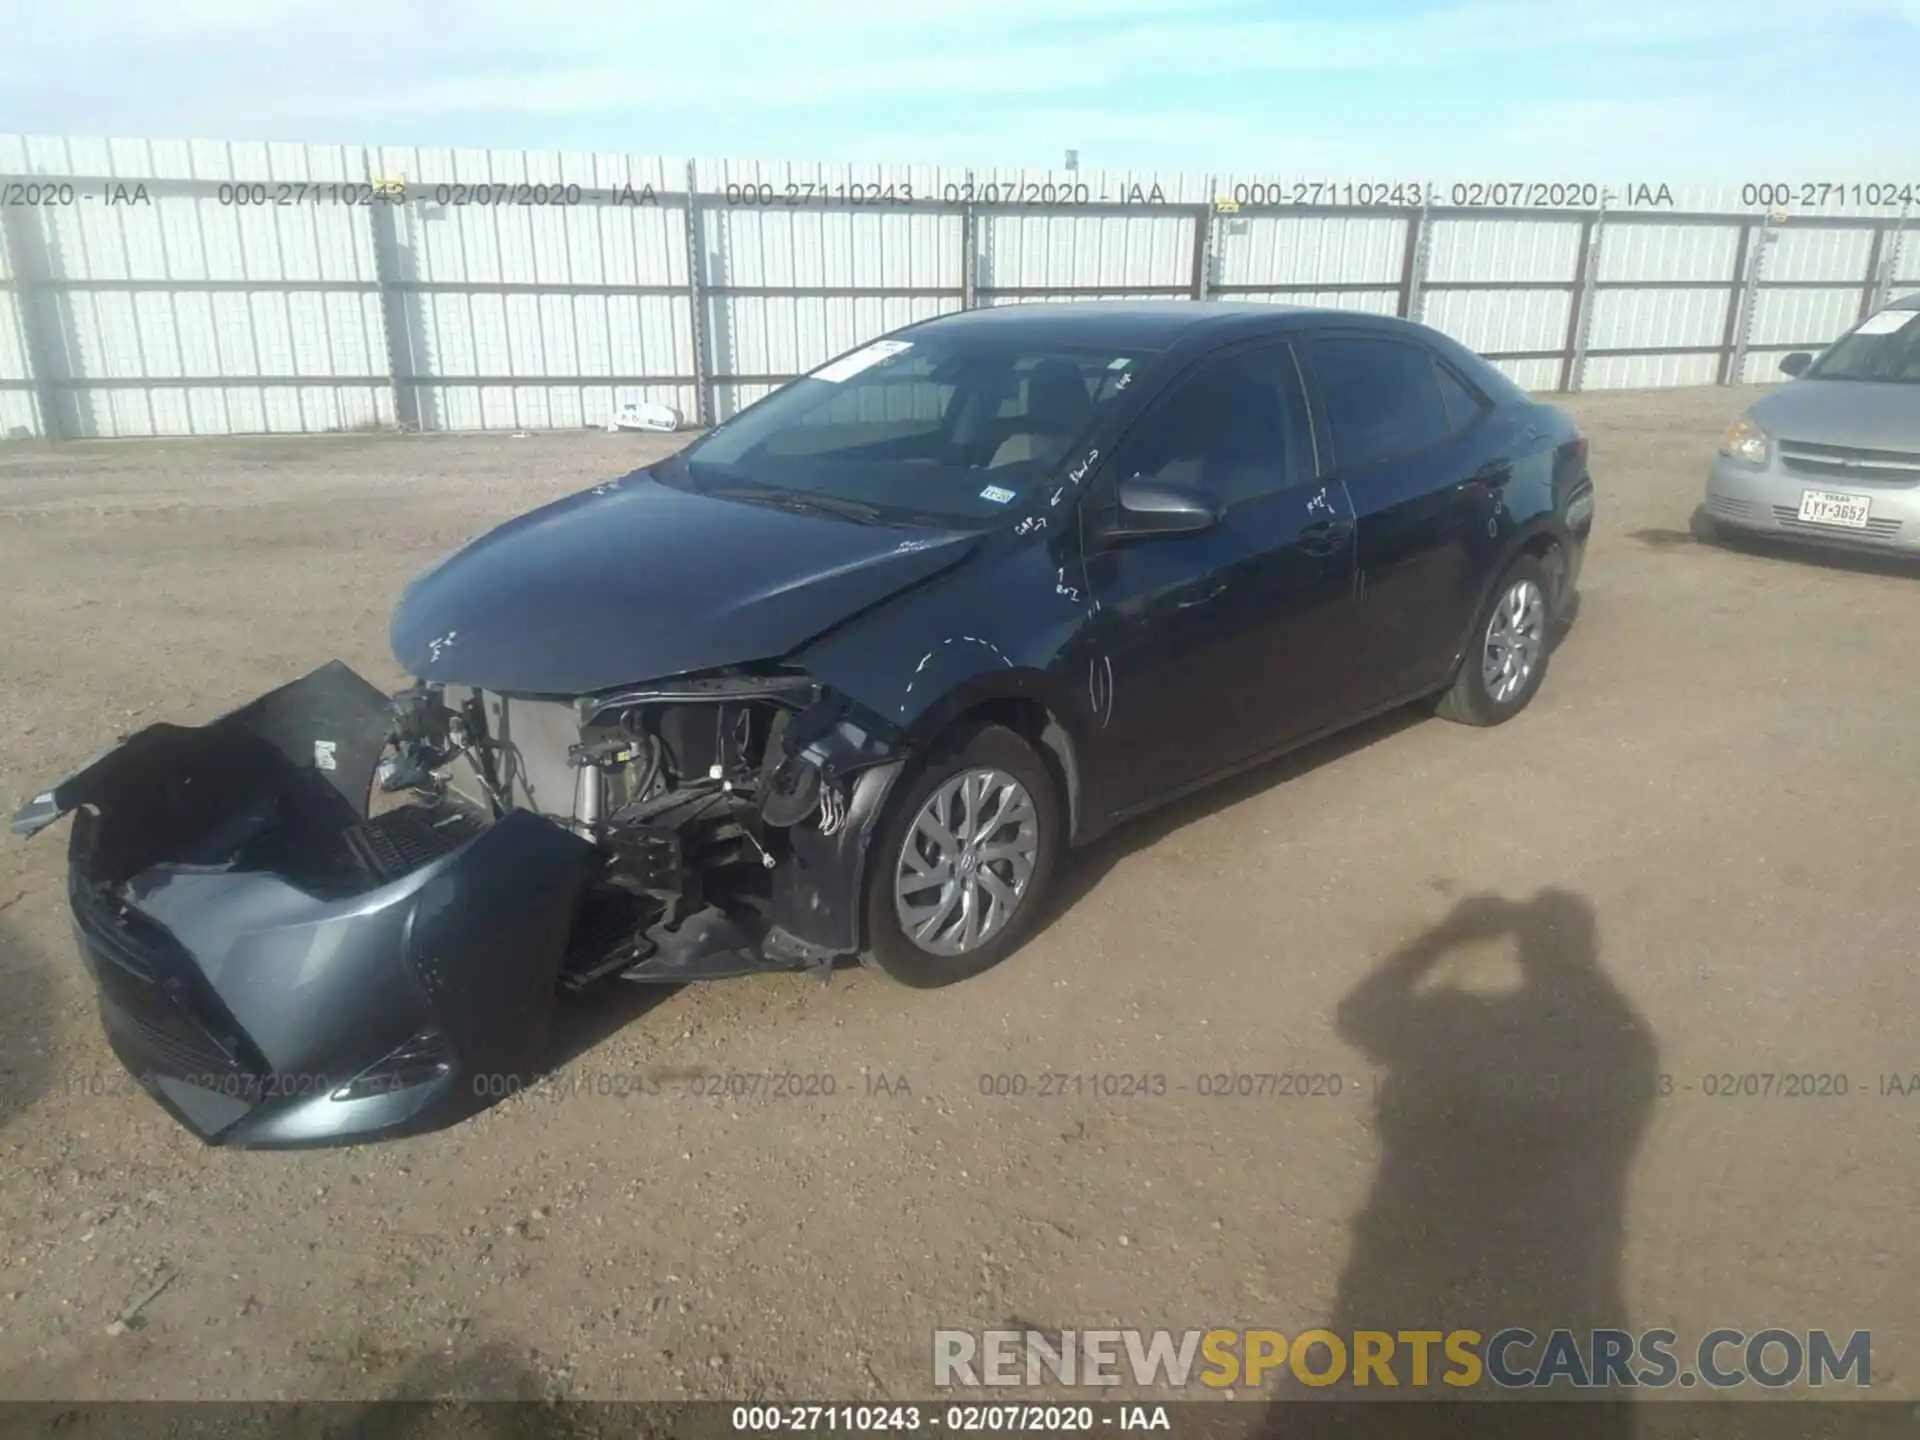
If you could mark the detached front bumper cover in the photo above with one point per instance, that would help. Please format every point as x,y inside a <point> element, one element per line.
<point>271,965</point>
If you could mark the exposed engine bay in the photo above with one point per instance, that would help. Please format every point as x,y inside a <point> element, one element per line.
<point>692,791</point>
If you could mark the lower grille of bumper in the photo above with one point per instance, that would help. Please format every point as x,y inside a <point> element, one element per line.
<point>150,995</point>
<point>1789,518</point>
<point>1727,506</point>
<point>167,1051</point>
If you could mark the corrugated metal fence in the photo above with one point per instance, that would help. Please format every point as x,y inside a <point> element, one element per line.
<point>193,287</point>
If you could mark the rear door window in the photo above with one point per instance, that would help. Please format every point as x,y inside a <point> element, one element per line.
<point>1382,397</point>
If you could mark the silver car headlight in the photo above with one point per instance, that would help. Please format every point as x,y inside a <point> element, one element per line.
<point>1746,439</point>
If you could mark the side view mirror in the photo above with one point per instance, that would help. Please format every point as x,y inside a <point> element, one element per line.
<point>1153,507</point>
<point>1797,362</point>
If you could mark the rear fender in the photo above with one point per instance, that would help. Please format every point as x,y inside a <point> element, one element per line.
<point>1563,568</point>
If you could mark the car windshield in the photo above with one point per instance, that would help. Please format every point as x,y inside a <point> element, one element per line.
<point>1886,348</point>
<point>930,429</point>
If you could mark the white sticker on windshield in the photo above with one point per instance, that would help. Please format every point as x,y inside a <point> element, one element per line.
<point>1885,323</point>
<point>998,494</point>
<point>848,366</point>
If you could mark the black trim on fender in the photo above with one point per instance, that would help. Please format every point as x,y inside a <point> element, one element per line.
<point>817,892</point>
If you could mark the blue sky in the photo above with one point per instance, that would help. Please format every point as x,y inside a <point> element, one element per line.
<point>1686,91</point>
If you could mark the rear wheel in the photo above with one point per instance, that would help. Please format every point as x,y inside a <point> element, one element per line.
<point>1507,658</point>
<point>957,872</point>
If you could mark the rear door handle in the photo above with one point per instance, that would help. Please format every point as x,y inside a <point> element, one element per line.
<point>1323,537</point>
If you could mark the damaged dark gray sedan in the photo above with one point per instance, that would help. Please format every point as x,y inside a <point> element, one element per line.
<point>843,677</point>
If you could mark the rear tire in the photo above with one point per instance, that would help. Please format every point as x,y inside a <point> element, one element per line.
<point>977,825</point>
<point>1507,657</point>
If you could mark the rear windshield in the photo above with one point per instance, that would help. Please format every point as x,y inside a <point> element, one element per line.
<point>1886,348</point>
<point>932,429</point>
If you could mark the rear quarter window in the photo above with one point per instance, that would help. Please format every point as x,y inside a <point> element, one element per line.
<point>1465,405</point>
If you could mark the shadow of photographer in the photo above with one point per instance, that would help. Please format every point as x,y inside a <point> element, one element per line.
<point>1515,1084</point>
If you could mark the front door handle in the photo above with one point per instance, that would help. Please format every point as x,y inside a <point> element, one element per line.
<point>1323,537</point>
<point>1204,596</point>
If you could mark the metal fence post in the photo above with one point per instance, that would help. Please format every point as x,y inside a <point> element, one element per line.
<point>1203,243</point>
<point>1730,331</point>
<point>1888,243</point>
<point>1409,255</point>
<point>1416,260</point>
<point>382,236</point>
<point>1896,261</point>
<point>1761,237</point>
<point>1876,259</point>
<point>1580,323</point>
<point>703,399</point>
<point>40,328</point>
<point>969,244</point>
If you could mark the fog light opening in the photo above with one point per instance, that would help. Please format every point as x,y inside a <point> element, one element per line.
<point>420,1060</point>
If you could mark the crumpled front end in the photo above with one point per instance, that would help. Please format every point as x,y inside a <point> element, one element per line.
<point>277,966</point>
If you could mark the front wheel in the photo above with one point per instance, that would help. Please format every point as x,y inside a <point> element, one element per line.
<point>956,875</point>
<point>1507,658</point>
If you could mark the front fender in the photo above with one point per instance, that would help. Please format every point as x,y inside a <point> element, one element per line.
<point>1004,624</point>
<point>1002,627</point>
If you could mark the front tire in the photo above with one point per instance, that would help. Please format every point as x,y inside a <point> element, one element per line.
<point>962,861</point>
<point>1507,657</point>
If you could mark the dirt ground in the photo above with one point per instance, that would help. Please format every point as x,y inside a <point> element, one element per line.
<point>1694,858</point>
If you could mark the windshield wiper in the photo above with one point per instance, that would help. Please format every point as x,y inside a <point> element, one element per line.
<point>801,502</point>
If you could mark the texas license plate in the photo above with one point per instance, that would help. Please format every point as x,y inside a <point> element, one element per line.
<point>1834,507</point>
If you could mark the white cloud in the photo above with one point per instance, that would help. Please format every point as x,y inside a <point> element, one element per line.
<point>1146,82</point>
<point>1684,141</point>
<point>754,55</point>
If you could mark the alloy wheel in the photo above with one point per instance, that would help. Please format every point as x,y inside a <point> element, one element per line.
<point>1516,635</point>
<point>966,862</point>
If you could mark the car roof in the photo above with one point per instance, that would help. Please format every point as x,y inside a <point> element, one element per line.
<point>1150,324</point>
<point>1906,302</point>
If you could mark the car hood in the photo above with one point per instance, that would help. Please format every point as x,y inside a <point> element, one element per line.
<point>1863,414</point>
<point>634,580</point>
